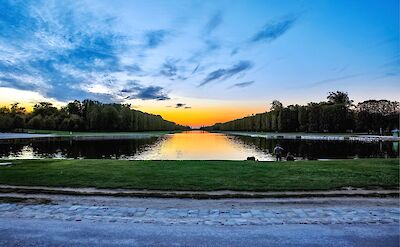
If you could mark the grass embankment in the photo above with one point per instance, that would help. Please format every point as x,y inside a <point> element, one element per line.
<point>96,133</point>
<point>204,175</point>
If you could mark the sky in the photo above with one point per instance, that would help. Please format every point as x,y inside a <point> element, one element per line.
<point>198,62</point>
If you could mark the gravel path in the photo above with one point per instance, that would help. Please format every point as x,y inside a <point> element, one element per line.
<point>123,221</point>
<point>210,212</point>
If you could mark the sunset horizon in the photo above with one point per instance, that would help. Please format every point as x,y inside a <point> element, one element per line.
<point>197,63</point>
<point>199,123</point>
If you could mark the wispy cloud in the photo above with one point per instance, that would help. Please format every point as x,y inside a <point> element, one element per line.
<point>155,37</point>
<point>222,74</point>
<point>334,79</point>
<point>242,84</point>
<point>195,69</point>
<point>269,32</point>
<point>210,46</point>
<point>213,23</point>
<point>169,68</point>
<point>211,43</point>
<point>274,30</point>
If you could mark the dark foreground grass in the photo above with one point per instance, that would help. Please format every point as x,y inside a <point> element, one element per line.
<point>204,175</point>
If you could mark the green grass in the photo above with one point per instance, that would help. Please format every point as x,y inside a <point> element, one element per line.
<point>67,133</point>
<point>204,175</point>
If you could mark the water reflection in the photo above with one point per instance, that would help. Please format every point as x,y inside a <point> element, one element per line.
<point>196,145</point>
<point>306,149</point>
<point>108,149</point>
<point>200,145</point>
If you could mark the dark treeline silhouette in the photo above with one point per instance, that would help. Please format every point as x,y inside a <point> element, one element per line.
<point>337,114</point>
<point>87,115</point>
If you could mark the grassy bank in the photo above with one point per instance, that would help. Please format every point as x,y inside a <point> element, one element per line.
<point>204,175</point>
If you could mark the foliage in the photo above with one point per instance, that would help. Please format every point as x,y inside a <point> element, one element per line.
<point>83,116</point>
<point>335,115</point>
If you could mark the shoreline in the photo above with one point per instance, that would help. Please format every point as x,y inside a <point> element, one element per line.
<point>35,135</point>
<point>10,137</point>
<point>314,136</point>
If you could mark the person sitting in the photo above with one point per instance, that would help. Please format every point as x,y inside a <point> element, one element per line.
<point>289,157</point>
<point>278,150</point>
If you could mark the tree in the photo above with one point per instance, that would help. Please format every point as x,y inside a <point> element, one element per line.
<point>109,118</point>
<point>339,97</point>
<point>15,109</point>
<point>19,121</point>
<point>44,109</point>
<point>75,108</point>
<point>35,122</point>
<point>276,105</point>
<point>303,118</point>
<point>374,115</point>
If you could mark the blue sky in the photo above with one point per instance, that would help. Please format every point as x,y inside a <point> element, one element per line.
<point>169,56</point>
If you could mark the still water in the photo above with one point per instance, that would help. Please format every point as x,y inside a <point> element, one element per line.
<point>196,145</point>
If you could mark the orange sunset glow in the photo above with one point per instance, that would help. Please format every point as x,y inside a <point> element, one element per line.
<point>198,117</point>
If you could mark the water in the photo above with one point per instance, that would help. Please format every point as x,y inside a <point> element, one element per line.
<point>196,145</point>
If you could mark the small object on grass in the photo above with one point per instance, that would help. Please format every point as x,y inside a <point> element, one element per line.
<point>251,158</point>
<point>289,157</point>
<point>6,164</point>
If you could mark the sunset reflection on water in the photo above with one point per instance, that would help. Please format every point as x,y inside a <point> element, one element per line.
<point>201,145</point>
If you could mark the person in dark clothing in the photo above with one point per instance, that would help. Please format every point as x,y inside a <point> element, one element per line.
<point>278,150</point>
<point>289,157</point>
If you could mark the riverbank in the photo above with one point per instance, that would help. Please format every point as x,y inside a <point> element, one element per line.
<point>204,175</point>
<point>314,136</point>
<point>98,133</point>
<point>46,135</point>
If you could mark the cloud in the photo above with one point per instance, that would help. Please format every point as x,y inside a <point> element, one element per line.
<point>242,84</point>
<point>152,92</point>
<point>195,69</point>
<point>334,79</point>
<point>213,23</point>
<point>274,30</point>
<point>222,74</point>
<point>269,32</point>
<point>64,52</point>
<point>210,43</point>
<point>235,51</point>
<point>182,105</point>
<point>155,37</point>
<point>169,68</point>
<point>133,68</point>
<point>210,46</point>
<point>137,91</point>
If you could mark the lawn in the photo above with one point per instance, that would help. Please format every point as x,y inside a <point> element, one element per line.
<point>204,175</point>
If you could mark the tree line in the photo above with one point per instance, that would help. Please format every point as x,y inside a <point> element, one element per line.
<point>337,114</point>
<point>87,115</point>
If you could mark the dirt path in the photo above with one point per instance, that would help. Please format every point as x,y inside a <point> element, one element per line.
<point>346,192</point>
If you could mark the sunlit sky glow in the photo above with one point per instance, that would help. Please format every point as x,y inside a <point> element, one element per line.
<point>198,62</point>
